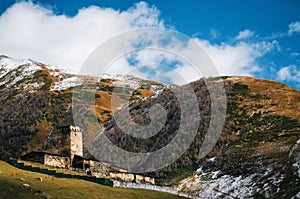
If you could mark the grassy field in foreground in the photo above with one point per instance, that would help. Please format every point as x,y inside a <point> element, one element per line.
<point>12,180</point>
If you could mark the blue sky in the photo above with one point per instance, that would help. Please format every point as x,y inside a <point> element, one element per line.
<point>266,33</point>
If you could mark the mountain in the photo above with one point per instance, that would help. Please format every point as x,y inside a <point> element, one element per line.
<point>37,98</point>
<point>257,154</point>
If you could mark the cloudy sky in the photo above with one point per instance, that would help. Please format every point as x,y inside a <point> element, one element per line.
<point>256,38</point>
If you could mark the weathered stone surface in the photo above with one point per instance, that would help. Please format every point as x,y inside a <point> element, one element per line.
<point>56,161</point>
<point>122,176</point>
<point>99,168</point>
<point>144,179</point>
<point>76,147</point>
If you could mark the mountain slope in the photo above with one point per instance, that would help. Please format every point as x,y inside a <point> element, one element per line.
<point>259,140</point>
<point>258,144</point>
<point>258,152</point>
<point>257,155</point>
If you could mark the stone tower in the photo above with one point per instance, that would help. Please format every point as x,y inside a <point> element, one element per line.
<point>76,147</point>
<point>66,141</point>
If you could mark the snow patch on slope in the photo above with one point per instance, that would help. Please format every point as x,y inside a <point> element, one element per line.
<point>135,83</point>
<point>126,82</point>
<point>67,83</point>
<point>295,151</point>
<point>225,186</point>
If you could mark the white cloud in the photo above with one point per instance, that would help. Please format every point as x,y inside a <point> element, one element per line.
<point>294,27</point>
<point>289,73</point>
<point>238,59</point>
<point>245,34</point>
<point>32,31</point>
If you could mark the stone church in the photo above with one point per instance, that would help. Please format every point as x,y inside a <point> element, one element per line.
<point>60,148</point>
<point>64,148</point>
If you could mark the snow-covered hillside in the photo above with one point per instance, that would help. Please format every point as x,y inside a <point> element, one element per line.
<point>15,70</point>
<point>19,74</point>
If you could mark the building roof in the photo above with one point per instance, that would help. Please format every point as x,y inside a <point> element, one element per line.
<point>41,153</point>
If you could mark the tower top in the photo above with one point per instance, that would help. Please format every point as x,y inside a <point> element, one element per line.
<point>68,128</point>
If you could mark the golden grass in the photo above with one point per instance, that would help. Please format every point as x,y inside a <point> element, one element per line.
<point>145,93</point>
<point>278,97</point>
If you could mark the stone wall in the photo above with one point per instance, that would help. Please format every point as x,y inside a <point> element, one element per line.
<point>56,161</point>
<point>99,169</point>
<point>102,170</point>
<point>129,177</point>
<point>144,179</point>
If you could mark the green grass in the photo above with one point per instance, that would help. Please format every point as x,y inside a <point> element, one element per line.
<point>12,187</point>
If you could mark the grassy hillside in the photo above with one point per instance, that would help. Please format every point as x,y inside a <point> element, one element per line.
<point>12,180</point>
